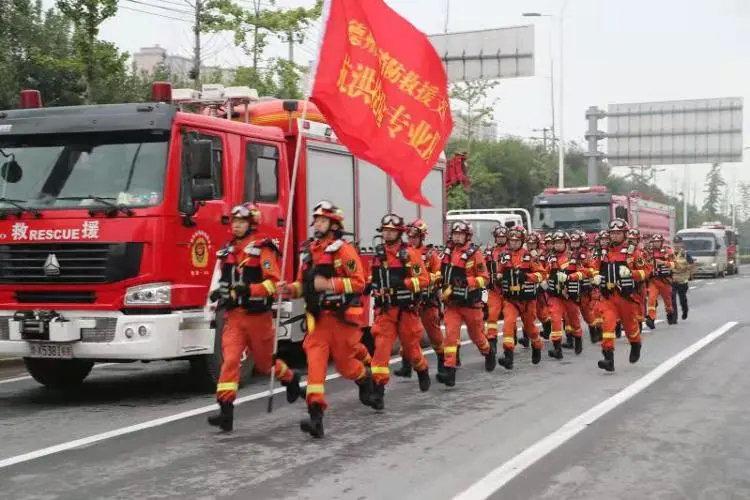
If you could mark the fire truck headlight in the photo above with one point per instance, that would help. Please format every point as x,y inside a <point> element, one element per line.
<point>152,294</point>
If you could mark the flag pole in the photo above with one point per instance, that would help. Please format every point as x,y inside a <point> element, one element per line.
<point>290,204</point>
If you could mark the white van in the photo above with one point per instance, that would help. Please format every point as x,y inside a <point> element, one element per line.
<point>483,221</point>
<point>708,248</point>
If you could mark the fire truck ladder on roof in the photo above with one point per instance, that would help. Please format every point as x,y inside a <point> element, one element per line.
<point>512,211</point>
<point>216,98</point>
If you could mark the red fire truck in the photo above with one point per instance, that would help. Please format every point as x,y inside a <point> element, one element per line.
<point>591,209</point>
<point>111,216</point>
<point>732,241</point>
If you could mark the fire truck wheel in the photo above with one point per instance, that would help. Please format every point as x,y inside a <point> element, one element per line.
<point>205,370</point>
<point>58,373</point>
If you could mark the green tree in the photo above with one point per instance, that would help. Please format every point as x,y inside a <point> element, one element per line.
<point>475,110</point>
<point>714,184</point>
<point>87,16</point>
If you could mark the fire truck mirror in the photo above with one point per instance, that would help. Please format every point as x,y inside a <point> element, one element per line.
<point>11,171</point>
<point>201,189</point>
<point>198,158</point>
<point>621,213</point>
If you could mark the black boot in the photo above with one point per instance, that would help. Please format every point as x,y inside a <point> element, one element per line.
<point>640,327</point>
<point>593,334</point>
<point>424,380</point>
<point>536,355</point>
<point>405,370</point>
<point>524,340</point>
<point>635,352</point>
<point>671,318</point>
<point>378,397</point>
<point>507,360</point>
<point>366,389</point>
<point>568,341</point>
<point>314,424</point>
<point>684,313</point>
<point>489,358</point>
<point>458,354</point>
<point>546,329</point>
<point>608,363</point>
<point>448,377</point>
<point>556,351</point>
<point>224,419</point>
<point>578,345</point>
<point>618,330</point>
<point>293,390</point>
<point>441,363</point>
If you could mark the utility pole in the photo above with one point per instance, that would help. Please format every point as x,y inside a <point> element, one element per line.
<point>197,47</point>
<point>291,46</point>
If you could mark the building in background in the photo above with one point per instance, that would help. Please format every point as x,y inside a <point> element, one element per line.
<point>149,58</point>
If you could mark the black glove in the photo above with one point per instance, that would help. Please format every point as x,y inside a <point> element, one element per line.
<point>220,293</point>
<point>241,291</point>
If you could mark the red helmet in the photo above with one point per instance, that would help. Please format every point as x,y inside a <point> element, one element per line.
<point>248,211</point>
<point>657,238</point>
<point>634,234</point>
<point>578,235</point>
<point>392,221</point>
<point>462,227</point>
<point>499,231</point>
<point>534,237</point>
<point>618,225</point>
<point>548,238</point>
<point>417,228</point>
<point>517,233</point>
<point>560,235</point>
<point>330,211</point>
<point>603,235</point>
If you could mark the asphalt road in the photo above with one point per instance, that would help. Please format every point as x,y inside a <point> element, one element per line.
<point>682,437</point>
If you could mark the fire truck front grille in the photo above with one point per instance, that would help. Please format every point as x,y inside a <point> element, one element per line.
<point>103,332</point>
<point>69,263</point>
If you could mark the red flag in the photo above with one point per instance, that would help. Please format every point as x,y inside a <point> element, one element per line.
<point>383,90</point>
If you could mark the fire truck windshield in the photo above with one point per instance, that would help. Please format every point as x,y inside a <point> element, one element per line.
<point>82,170</point>
<point>587,217</point>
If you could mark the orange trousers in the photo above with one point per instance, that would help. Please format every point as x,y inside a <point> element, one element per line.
<point>526,310</point>
<point>254,332</point>
<point>332,338</point>
<point>542,307</point>
<point>564,314</point>
<point>641,297</point>
<point>494,309</point>
<point>388,325</point>
<point>474,319</point>
<point>587,304</point>
<point>657,287</point>
<point>625,309</point>
<point>430,316</point>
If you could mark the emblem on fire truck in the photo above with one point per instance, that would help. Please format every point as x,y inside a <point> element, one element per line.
<point>51,266</point>
<point>199,245</point>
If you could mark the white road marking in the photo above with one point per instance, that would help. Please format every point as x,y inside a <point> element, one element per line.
<point>96,438</point>
<point>693,287</point>
<point>710,283</point>
<point>503,474</point>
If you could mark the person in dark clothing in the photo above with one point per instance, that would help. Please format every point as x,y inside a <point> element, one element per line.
<point>684,264</point>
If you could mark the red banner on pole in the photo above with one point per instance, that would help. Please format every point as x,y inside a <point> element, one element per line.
<point>383,90</point>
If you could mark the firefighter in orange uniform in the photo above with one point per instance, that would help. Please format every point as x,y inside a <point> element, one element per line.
<point>601,245</point>
<point>620,269</point>
<point>542,298</point>
<point>465,275</point>
<point>641,288</point>
<point>429,308</point>
<point>533,242</point>
<point>331,280</point>
<point>521,276</point>
<point>495,294</point>
<point>661,258</point>
<point>398,278</point>
<point>249,273</point>
<point>580,252</point>
<point>564,285</point>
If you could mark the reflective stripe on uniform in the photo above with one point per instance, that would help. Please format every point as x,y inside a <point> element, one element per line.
<point>269,286</point>
<point>297,288</point>
<point>315,389</point>
<point>347,285</point>
<point>480,282</point>
<point>451,349</point>
<point>380,370</point>
<point>415,284</point>
<point>227,386</point>
<point>509,340</point>
<point>608,335</point>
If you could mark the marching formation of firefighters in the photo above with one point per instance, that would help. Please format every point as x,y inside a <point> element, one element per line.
<point>556,278</point>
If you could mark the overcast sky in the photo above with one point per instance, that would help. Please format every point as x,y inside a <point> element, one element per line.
<point>615,51</point>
